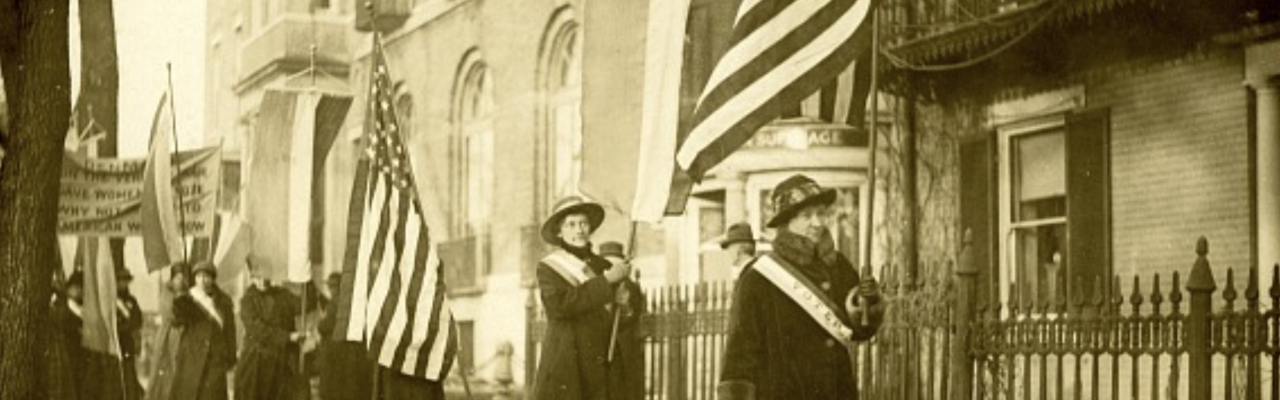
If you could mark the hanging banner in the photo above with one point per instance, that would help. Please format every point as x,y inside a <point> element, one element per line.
<point>102,197</point>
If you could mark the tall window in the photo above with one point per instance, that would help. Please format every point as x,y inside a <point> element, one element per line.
<point>561,85</point>
<point>1053,204</point>
<point>1037,199</point>
<point>474,149</point>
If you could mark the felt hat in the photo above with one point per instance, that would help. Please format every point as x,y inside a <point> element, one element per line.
<point>794,194</point>
<point>566,206</point>
<point>739,232</point>
<point>611,249</point>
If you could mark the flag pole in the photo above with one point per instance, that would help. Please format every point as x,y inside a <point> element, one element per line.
<point>173,119</point>
<point>874,133</point>
<point>617,311</point>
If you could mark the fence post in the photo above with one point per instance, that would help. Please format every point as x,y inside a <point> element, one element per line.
<point>1201,286</point>
<point>961,362</point>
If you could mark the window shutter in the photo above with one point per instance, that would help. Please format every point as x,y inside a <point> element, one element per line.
<point>1088,200</point>
<point>977,208</point>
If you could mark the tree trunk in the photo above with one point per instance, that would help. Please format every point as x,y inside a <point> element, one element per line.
<point>100,84</point>
<point>37,82</point>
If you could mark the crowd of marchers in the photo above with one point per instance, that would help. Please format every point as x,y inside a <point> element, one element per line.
<point>195,353</point>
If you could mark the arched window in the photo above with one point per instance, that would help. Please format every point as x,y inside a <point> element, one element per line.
<point>473,150</point>
<point>560,84</point>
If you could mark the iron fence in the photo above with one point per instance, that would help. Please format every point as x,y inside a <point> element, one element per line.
<point>1136,340</point>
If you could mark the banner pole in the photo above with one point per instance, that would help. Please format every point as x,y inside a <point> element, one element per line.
<point>173,120</point>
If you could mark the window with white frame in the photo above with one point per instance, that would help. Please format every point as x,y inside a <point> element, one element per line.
<point>1034,202</point>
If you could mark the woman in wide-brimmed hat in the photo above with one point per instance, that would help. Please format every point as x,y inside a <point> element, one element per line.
<point>777,349</point>
<point>576,288</point>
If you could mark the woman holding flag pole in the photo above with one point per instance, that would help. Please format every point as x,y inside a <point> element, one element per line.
<point>577,292</point>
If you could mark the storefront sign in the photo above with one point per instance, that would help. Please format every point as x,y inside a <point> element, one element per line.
<point>803,136</point>
<point>103,197</point>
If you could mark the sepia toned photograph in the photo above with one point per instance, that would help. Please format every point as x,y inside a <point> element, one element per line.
<point>639,199</point>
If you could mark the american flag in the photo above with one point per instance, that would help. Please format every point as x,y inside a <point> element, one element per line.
<point>393,297</point>
<point>780,52</point>
<point>785,58</point>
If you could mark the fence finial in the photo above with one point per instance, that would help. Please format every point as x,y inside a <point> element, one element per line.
<point>1201,279</point>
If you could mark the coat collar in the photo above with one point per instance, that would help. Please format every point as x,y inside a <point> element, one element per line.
<point>812,259</point>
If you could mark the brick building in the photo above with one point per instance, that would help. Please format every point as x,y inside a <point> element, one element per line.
<point>1078,140</point>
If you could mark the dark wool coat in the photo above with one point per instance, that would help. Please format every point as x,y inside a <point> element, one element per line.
<point>129,329</point>
<point>268,367</point>
<point>775,346</point>
<point>345,370</point>
<point>626,372</point>
<point>572,364</point>
<point>64,356</point>
<point>207,350</point>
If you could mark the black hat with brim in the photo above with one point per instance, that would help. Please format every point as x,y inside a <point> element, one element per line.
<point>794,194</point>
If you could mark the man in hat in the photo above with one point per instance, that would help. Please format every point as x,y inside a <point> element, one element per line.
<point>626,370</point>
<point>797,311</point>
<point>577,294</point>
<point>207,350</point>
<point>129,329</point>
<point>741,243</point>
<point>268,366</point>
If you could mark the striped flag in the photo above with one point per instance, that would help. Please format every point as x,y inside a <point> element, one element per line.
<point>295,130</point>
<point>161,236</point>
<point>393,297</point>
<point>717,71</point>
<point>780,52</point>
<point>98,333</point>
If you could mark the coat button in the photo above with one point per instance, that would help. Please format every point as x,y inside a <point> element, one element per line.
<point>831,343</point>
<point>826,285</point>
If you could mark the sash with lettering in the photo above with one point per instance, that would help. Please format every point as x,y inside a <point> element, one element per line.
<point>569,267</point>
<point>807,295</point>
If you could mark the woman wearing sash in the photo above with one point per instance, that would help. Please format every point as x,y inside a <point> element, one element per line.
<point>207,350</point>
<point>796,312</point>
<point>576,288</point>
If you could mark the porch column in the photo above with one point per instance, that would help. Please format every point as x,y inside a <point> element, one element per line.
<point>1262,74</point>
<point>735,199</point>
<point>1268,177</point>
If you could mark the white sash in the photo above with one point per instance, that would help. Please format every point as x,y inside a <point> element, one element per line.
<point>813,301</point>
<point>569,267</point>
<point>206,303</point>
